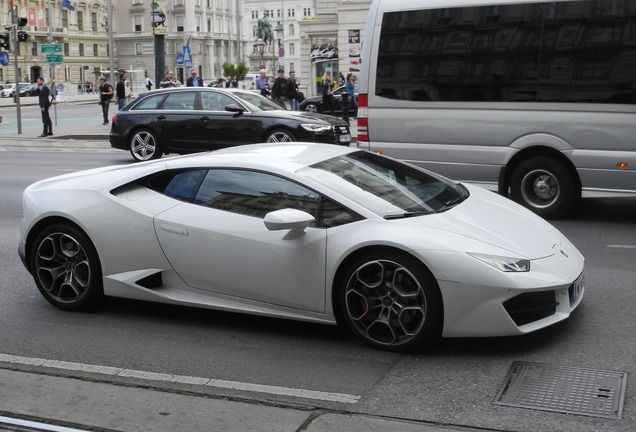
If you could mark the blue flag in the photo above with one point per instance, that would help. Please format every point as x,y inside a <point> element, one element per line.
<point>67,4</point>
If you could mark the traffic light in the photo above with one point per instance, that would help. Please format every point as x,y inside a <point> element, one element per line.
<point>22,36</point>
<point>22,22</point>
<point>5,41</point>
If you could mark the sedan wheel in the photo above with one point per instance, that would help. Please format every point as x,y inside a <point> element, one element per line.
<point>280,136</point>
<point>66,268</point>
<point>144,146</point>
<point>312,108</point>
<point>391,301</point>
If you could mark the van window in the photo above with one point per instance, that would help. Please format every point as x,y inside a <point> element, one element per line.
<point>571,51</point>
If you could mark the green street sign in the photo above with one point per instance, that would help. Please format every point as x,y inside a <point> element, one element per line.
<point>51,48</point>
<point>54,58</point>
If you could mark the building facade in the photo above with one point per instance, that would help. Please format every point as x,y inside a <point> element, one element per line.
<point>81,33</point>
<point>210,28</point>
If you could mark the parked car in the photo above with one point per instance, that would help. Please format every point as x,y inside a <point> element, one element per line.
<point>9,90</point>
<point>314,104</point>
<point>29,90</point>
<point>303,231</point>
<point>193,119</point>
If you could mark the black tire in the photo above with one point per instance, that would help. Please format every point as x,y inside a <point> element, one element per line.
<point>66,268</point>
<point>280,136</point>
<point>144,145</point>
<point>390,301</point>
<point>545,186</point>
<point>312,108</point>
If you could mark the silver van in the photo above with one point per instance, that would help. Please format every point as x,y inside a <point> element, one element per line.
<point>535,100</point>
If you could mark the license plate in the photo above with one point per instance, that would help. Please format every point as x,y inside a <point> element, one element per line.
<point>577,288</point>
<point>345,138</point>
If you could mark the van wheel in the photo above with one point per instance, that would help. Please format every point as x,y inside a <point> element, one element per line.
<point>544,186</point>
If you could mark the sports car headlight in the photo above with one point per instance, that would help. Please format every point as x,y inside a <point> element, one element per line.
<point>505,264</point>
<point>316,128</point>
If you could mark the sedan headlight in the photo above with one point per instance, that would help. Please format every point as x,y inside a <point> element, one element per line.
<point>505,264</point>
<point>316,128</point>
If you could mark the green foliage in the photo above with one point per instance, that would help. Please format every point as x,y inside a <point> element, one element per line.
<point>238,72</point>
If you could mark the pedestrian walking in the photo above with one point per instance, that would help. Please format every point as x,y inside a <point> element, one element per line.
<point>351,90</point>
<point>261,83</point>
<point>120,91</point>
<point>292,91</point>
<point>344,104</point>
<point>148,83</point>
<point>105,96</point>
<point>60,96</point>
<point>327,97</point>
<point>45,103</point>
<point>194,80</point>
<point>169,81</point>
<point>279,89</point>
<point>128,90</point>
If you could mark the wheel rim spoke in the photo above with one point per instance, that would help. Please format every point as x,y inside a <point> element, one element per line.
<point>385,303</point>
<point>62,268</point>
<point>144,146</point>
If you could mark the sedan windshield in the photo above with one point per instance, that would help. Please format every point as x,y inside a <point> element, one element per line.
<point>256,102</point>
<point>385,186</point>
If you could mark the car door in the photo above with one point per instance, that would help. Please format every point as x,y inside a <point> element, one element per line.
<point>221,128</point>
<point>178,121</point>
<point>219,242</point>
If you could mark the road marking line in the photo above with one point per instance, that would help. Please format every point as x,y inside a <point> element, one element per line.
<point>620,246</point>
<point>183,379</point>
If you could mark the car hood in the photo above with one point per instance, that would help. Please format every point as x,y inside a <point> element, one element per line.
<point>492,219</point>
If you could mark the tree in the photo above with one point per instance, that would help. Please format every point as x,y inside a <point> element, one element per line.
<point>238,72</point>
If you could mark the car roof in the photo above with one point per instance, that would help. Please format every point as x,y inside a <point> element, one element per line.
<point>287,157</point>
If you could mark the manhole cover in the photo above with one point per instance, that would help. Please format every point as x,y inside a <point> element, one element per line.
<point>589,392</point>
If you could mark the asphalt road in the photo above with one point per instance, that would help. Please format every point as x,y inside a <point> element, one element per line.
<point>453,382</point>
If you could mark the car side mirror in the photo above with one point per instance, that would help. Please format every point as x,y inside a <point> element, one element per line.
<point>237,110</point>
<point>296,220</point>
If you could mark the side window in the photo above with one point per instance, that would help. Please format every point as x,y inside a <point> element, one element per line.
<point>333,214</point>
<point>150,103</point>
<point>181,185</point>
<point>180,101</point>
<point>212,101</point>
<point>254,193</point>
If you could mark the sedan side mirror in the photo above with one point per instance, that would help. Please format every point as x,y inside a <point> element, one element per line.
<point>237,110</point>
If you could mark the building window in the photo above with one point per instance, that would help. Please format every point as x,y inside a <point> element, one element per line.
<point>95,50</point>
<point>81,50</point>
<point>291,13</point>
<point>209,26</point>
<point>271,13</point>
<point>291,31</point>
<point>137,23</point>
<point>278,13</point>
<point>80,20</point>
<point>291,67</point>
<point>306,12</point>
<point>254,14</point>
<point>136,2</point>
<point>138,49</point>
<point>94,21</point>
<point>64,18</point>
<point>180,22</point>
<point>66,49</point>
<point>198,24</point>
<point>34,48</point>
<point>292,49</point>
<point>179,2</point>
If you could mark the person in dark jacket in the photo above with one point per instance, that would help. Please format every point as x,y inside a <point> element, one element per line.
<point>194,80</point>
<point>45,103</point>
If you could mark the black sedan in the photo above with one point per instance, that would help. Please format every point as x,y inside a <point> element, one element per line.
<point>193,119</point>
<point>314,104</point>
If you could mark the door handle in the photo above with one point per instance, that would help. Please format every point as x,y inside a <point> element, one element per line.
<point>205,118</point>
<point>174,229</point>
<point>161,117</point>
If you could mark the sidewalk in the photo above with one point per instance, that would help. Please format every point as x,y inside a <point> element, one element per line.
<point>87,405</point>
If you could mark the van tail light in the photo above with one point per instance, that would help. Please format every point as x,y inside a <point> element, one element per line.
<point>363,120</point>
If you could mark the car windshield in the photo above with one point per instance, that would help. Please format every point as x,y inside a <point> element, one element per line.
<point>256,102</point>
<point>385,186</point>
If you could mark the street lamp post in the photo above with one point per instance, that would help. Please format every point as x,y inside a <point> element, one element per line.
<point>279,35</point>
<point>260,43</point>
